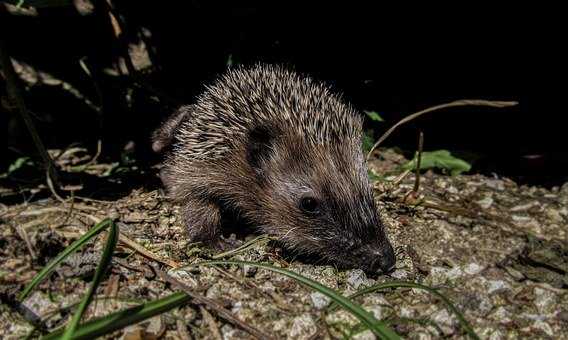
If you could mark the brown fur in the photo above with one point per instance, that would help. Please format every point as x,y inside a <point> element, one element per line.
<point>259,142</point>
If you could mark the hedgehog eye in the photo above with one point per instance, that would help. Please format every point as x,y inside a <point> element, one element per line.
<point>309,205</point>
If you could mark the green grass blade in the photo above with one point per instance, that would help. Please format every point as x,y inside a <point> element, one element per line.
<point>99,274</point>
<point>118,320</point>
<point>378,327</point>
<point>463,322</point>
<point>48,269</point>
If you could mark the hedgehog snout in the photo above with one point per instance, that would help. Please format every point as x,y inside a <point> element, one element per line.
<point>376,259</point>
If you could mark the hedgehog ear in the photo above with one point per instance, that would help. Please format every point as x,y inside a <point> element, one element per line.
<point>163,137</point>
<point>260,141</point>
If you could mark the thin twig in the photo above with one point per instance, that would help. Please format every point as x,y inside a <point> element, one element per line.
<point>52,188</point>
<point>214,306</point>
<point>15,94</point>
<point>464,102</point>
<point>145,252</point>
<point>20,11</point>
<point>123,239</point>
<point>24,235</point>
<point>418,161</point>
<point>29,315</point>
<point>182,330</point>
<point>208,318</point>
<point>257,240</point>
<point>280,303</point>
<point>397,180</point>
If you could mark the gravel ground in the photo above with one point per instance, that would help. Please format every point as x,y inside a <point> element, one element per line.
<point>497,250</point>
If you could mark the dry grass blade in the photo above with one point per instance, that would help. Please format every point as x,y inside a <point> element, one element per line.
<point>211,322</point>
<point>257,240</point>
<point>220,310</point>
<point>145,252</point>
<point>450,306</point>
<point>44,273</point>
<point>418,161</point>
<point>463,102</point>
<point>14,92</point>
<point>104,264</point>
<point>118,320</point>
<point>378,327</point>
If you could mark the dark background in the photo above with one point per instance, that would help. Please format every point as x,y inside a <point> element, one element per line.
<point>391,60</point>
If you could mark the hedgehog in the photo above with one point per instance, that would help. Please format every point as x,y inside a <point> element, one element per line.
<point>283,152</point>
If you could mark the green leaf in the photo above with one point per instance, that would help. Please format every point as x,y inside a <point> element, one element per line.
<point>368,141</point>
<point>16,165</point>
<point>372,176</point>
<point>229,62</point>
<point>374,115</point>
<point>99,274</point>
<point>68,251</point>
<point>463,322</point>
<point>440,159</point>
<point>118,320</point>
<point>376,326</point>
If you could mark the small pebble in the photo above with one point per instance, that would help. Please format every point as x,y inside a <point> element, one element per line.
<point>356,277</point>
<point>319,300</point>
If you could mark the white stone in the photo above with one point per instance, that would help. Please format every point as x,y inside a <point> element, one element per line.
<point>356,277</point>
<point>365,335</point>
<point>519,218</point>
<point>378,311</point>
<point>303,327</point>
<point>502,315</point>
<point>228,332</point>
<point>486,202</point>
<point>454,273</point>
<point>524,207</point>
<point>406,312</point>
<point>496,335</point>
<point>399,274</point>
<point>496,184</point>
<point>452,190</point>
<point>249,271</point>
<point>184,276</point>
<point>437,276</point>
<point>496,285</point>
<point>237,306</point>
<point>319,300</point>
<point>543,326</point>
<point>443,317</point>
<point>424,336</point>
<point>544,300</point>
<point>444,320</point>
<point>472,269</point>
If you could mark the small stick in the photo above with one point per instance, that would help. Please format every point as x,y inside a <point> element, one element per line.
<point>24,235</point>
<point>15,94</point>
<point>52,188</point>
<point>418,161</point>
<point>182,330</point>
<point>400,177</point>
<point>145,252</point>
<point>213,305</point>
<point>29,315</point>
<point>463,102</point>
<point>208,318</point>
<point>125,240</point>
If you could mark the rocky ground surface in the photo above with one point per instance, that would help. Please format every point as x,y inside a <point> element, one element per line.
<point>497,250</point>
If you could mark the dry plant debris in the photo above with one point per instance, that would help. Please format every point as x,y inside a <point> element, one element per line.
<point>497,250</point>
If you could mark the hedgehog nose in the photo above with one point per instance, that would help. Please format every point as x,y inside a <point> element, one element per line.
<point>383,260</point>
